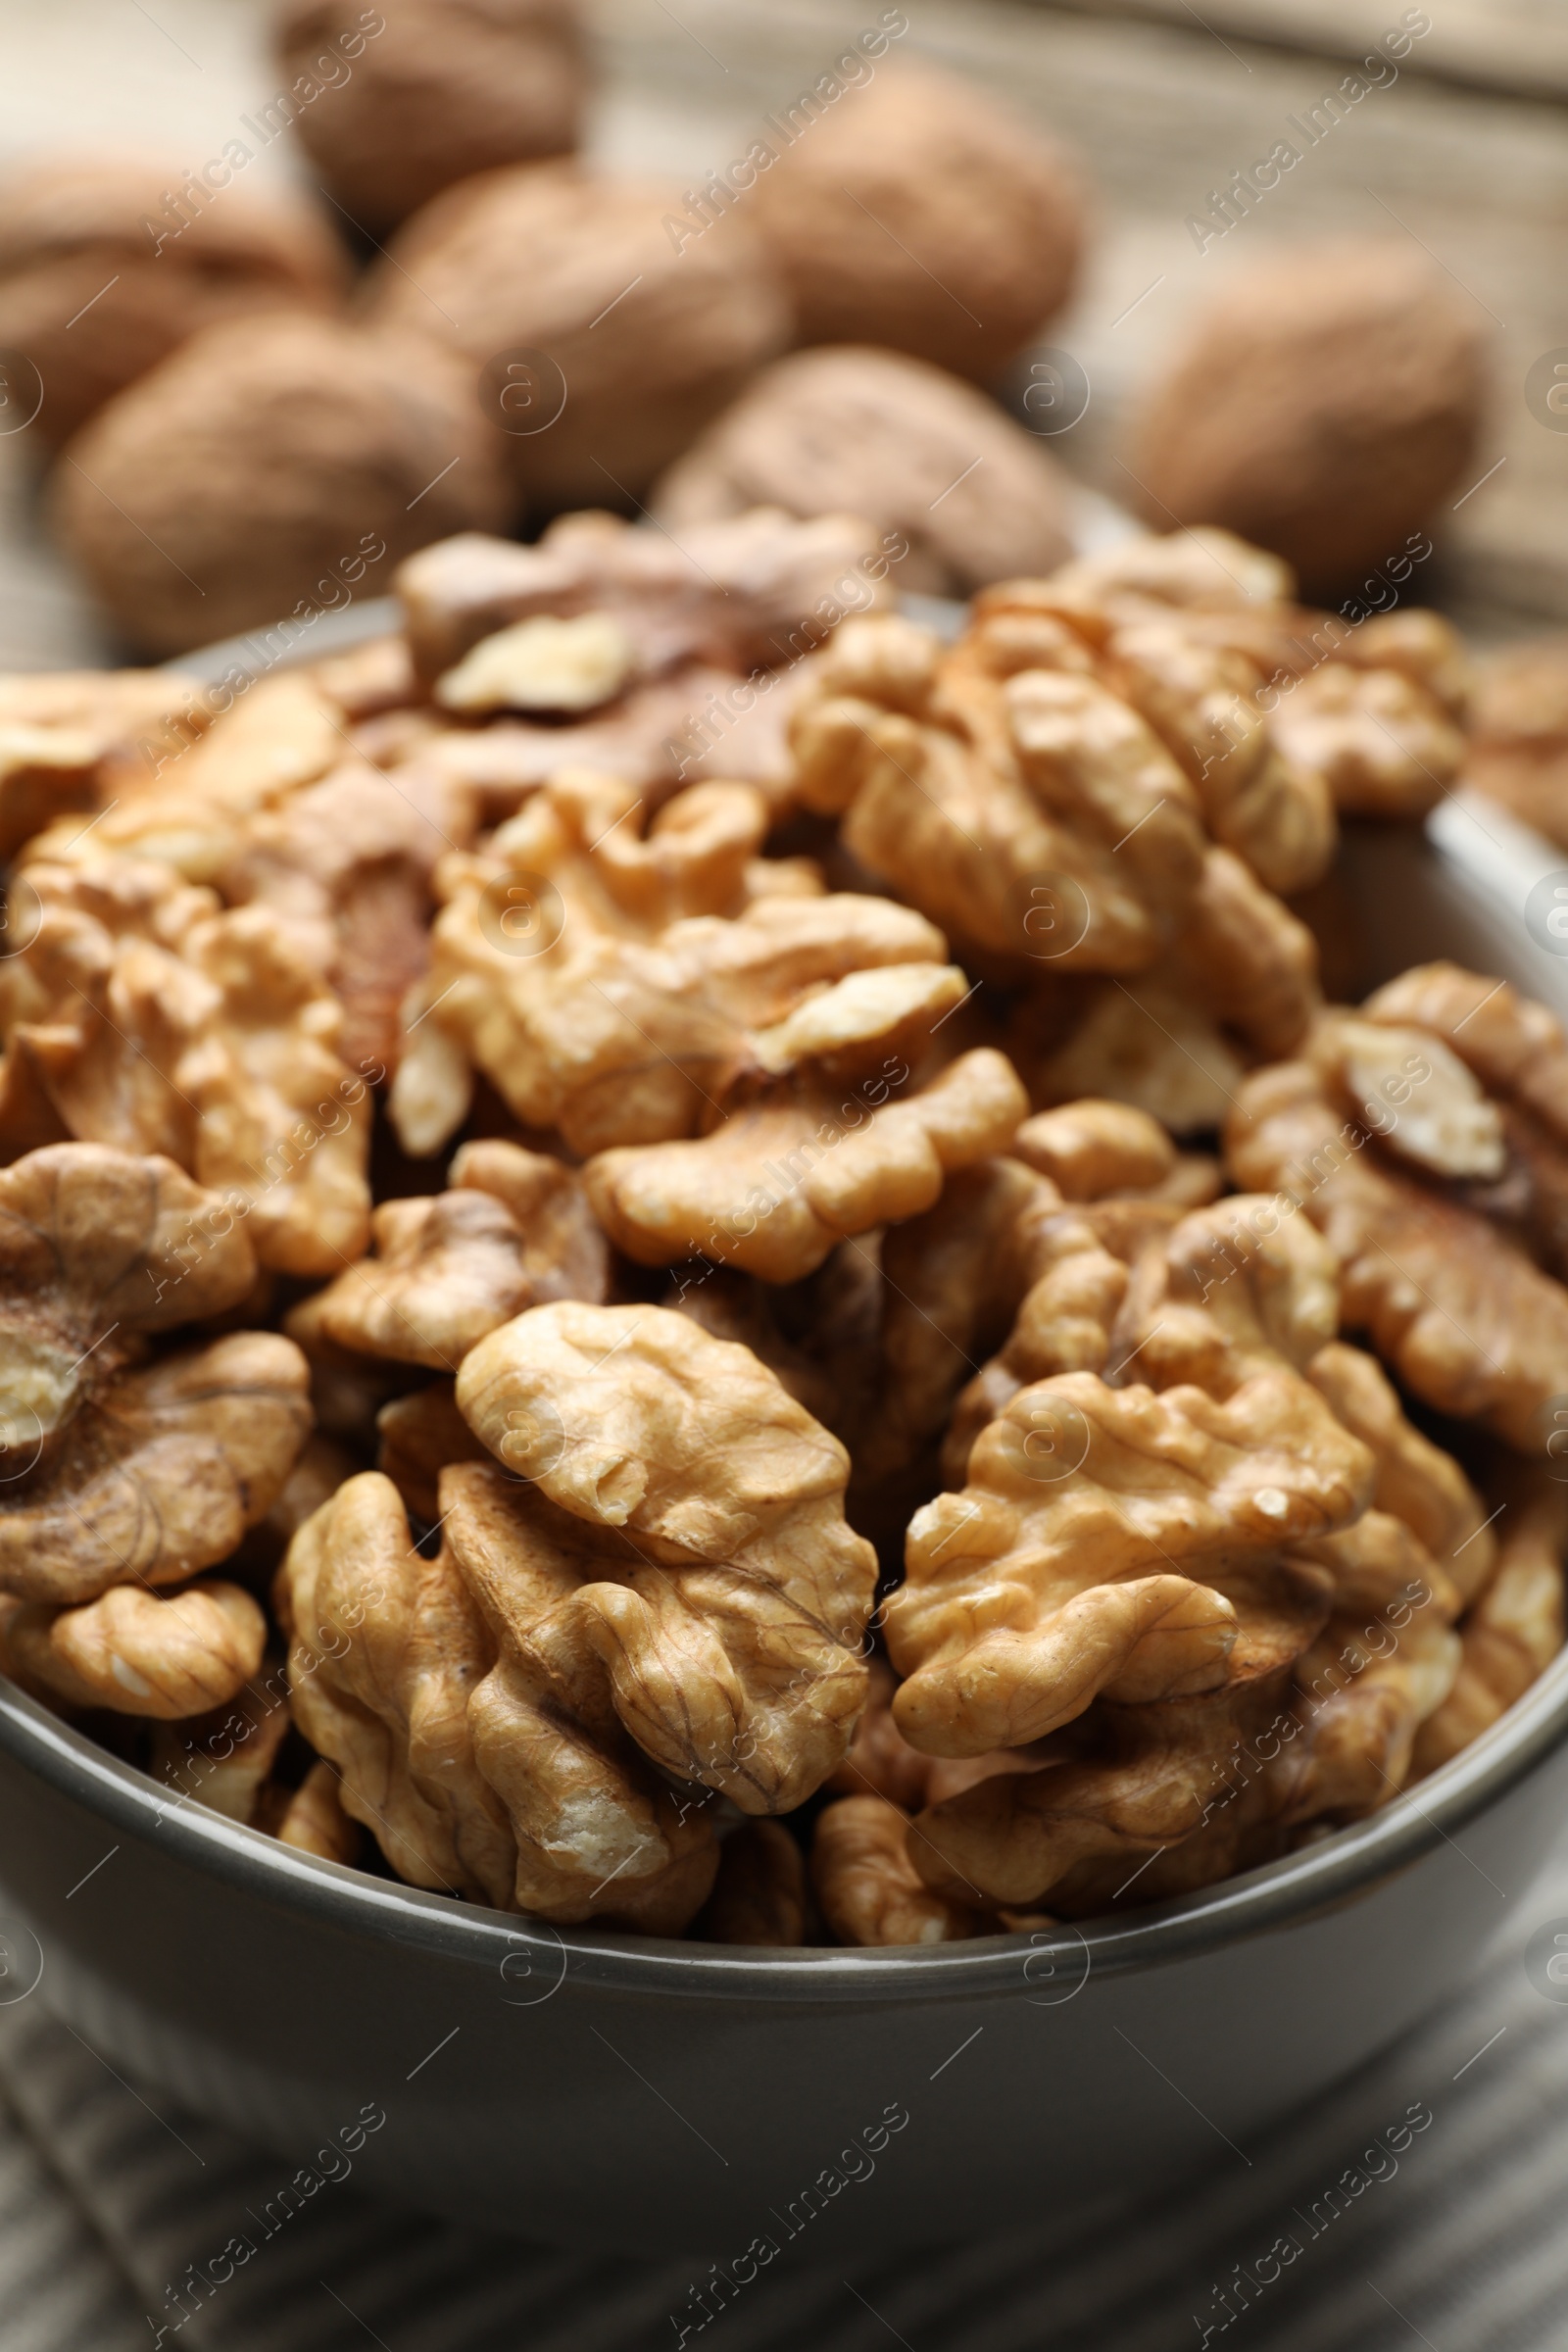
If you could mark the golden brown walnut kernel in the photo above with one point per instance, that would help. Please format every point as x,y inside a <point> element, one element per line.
<point>1063,1324</point>
<point>742,596</point>
<point>1243,1282</point>
<point>283,732</point>
<point>233,1068</point>
<point>515,1231</point>
<point>868,1889</point>
<point>160,1471</point>
<point>1454,1307</point>
<point>263,464</point>
<point>447,1269</point>
<point>608,298</point>
<point>597,1830</point>
<point>313,1818</point>
<point>320,1470</point>
<point>1204,572</point>
<point>1145,1041</point>
<point>118,1468</point>
<point>542,664</point>
<point>1383,745</point>
<point>1515,1046</point>
<point>1422,647</point>
<point>163,1654</point>
<point>787,1176</point>
<point>724,1622</point>
<point>1244,959</point>
<point>73,740</point>
<point>436,91</point>
<point>1202,699</point>
<point>911,185</point>
<point>1515,1627</point>
<point>415,1680</point>
<point>1364,1702</point>
<point>1520,738</point>
<point>1149,1783</point>
<point>417,1436</point>
<point>881,1762</point>
<point>1416,1482</point>
<point>595,974</point>
<point>347,1391</point>
<point>954,1278</point>
<point>740,1308</point>
<point>1094,1146</point>
<point>1033,815</point>
<point>224,1759</point>
<point>94,1245</point>
<point>1120,1541</point>
<point>385,1649</point>
<point>931,462</point>
<point>346,865</point>
<point>760,1894</point>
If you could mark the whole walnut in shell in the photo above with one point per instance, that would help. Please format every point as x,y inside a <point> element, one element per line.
<point>1323,406</point>
<point>444,88</point>
<point>920,214</point>
<point>107,265</point>
<point>577,276</point>
<point>872,432</point>
<point>263,463</point>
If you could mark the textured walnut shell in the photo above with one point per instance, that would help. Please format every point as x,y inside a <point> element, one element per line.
<point>246,477</point>
<point>581,267</point>
<point>444,88</point>
<point>919,213</point>
<point>1323,406</point>
<point>925,458</point>
<point>101,277</point>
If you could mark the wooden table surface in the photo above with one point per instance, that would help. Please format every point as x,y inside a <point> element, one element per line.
<point>1158,99</point>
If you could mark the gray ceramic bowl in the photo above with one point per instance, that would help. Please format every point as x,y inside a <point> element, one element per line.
<point>652,2096</point>
<point>626,2093</point>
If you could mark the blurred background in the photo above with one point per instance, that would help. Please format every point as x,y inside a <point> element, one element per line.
<point>1457,156</point>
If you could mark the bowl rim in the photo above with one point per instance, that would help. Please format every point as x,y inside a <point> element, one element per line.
<point>1050,1967</point>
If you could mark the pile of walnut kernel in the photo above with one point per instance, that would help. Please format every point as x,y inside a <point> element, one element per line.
<point>551,1158</point>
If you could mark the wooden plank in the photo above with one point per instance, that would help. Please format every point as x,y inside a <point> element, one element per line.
<point>1519,46</point>
<point>1158,116</point>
